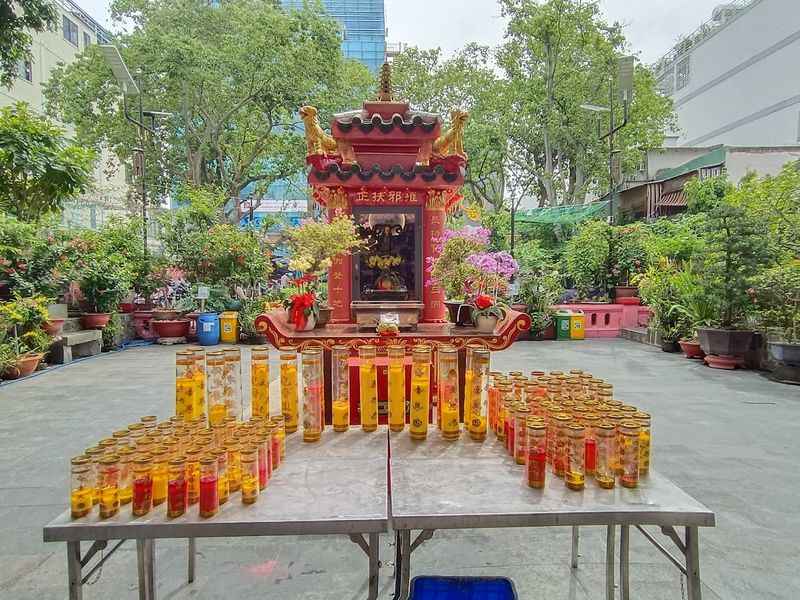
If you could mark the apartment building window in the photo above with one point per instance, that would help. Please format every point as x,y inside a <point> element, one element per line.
<point>667,82</point>
<point>25,70</point>
<point>682,73</point>
<point>87,40</point>
<point>70,30</point>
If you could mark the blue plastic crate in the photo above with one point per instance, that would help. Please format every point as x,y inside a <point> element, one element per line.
<point>462,588</point>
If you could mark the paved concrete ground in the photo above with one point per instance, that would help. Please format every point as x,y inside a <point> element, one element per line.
<point>729,439</point>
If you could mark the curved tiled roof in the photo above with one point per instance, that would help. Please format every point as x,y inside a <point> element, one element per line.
<point>407,123</point>
<point>364,174</point>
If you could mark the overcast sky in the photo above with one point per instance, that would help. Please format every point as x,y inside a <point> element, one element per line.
<point>651,26</point>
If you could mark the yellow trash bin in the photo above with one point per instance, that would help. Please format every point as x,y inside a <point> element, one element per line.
<point>577,325</point>
<point>229,327</point>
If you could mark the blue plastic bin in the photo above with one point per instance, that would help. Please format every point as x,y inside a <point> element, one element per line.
<point>462,588</point>
<point>208,329</point>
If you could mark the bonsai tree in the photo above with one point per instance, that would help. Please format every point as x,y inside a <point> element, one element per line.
<point>449,267</point>
<point>736,249</point>
<point>315,244</point>
<point>777,299</point>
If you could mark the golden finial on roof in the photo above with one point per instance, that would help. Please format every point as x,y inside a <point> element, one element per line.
<point>385,92</point>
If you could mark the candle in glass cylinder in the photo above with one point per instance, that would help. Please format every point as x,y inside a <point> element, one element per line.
<point>209,492</point>
<point>95,453</point>
<point>536,461</point>
<point>259,382</point>
<point>233,382</point>
<point>340,388</point>
<point>448,392</point>
<point>643,419</point>
<point>469,383</point>
<point>215,388</point>
<point>261,440</point>
<point>312,394</point>
<point>574,474</point>
<point>193,474</point>
<point>199,372</point>
<point>249,466</point>
<point>160,474</point>
<point>560,443</point>
<point>275,447</point>
<point>628,439</point>
<point>280,428</point>
<point>590,421</point>
<point>606,439</point>
<point>184,384</point>
<point>142,485</point>
<point>521,417</point>
<point>368,387</point>
<point>289,406</point>
<point>479,394</point>
<point>420,392</point>
<point>177,488</point>
<point>396,376</point>
<point>126,455</point>
<point>81,486</point>
<point>234,466</point>
<point>504,398</point>
<point>222,474</point>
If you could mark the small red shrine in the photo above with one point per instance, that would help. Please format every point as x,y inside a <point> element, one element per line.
<point>397,172</point>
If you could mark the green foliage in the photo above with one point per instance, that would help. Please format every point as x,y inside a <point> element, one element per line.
<point>19,18</point>
<point>587,255</point>
<point>314,244</point>
<point>627,253</point>
<point>105,280</point>
<point>218,300</point>
<point>233,89</point>
<point>39,170</point>
<point>451,269</point>
<point>736,249</point>
<point>539,290</point>
<point>679,238</point>
<point>703,195</point>
<point>111,332</point>
<point>777,298</point>
<point>250,310</point>
<point>657,289</point>
<point>24,313</point>
<point>34,341</point>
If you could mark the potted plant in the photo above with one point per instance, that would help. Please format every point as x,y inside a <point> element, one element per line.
<point>251,308</point>
<point>777,296</point>
<point>587,256</point>
<point>736,249</point>
<point>657,289</point>
<point>21,322</point>
<point>627,258</point>
<point>104,283</point>
<point>486,313</point>
<point>173,287</point>
<point>692,307</point>
<point>538,291</point>
<point>301,304</point>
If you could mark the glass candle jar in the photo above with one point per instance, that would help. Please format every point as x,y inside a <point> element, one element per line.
<point>628,437</point>
<point>193,474</point>
<point>177,488</point>
<point>420,392</point>
<point>560,443</point>
<point>184,384</point>
<point>289,407</point>
<point>233,382</point>
<point>249,470</point>
<point>521,416</point>
<point>215,387</point>
<point>275,447</point>
<point>280,429</point>
<point>396,380</point>
<point>617,418</point>
<point>209,493</point>
<point>149,421</point>
<point>590,421</point>
<point>222,474</point>
<point>126,456</point>
<point>261,440</point>
<point>606,438</point>
<point>160,474</point>
<point>504,390</point>
<point>259,381</point>
<point>478,386</point>
<point>95,453</point>
<point>312,395</point>
<point>142,485</point>
<point>340,388</point>
<point>234,467</point>
<point>368,387</point>
<point>121,436</point>
<point>81,486</point>
<point>536,446</point>
<point>574,471</point>
<point>447,385</point>
<point>108,445</point>
<point>643,419</point>
<point>199,355</point>
<point>493,398</point>
<point>469,385</point>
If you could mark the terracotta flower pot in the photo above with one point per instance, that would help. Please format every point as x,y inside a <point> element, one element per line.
<point>170,328</point>
<point>126,307</point>
<point>25,366</point>
<point>692,349</point>
<point>53,327</point>
<point>163,314</point>
<point>95,320</point>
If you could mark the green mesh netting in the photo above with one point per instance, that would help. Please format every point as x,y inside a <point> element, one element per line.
<point>565,215</point>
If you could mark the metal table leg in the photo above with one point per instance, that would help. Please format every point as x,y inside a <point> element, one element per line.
<point>405,568</point>
<point>624,564</point>
<point>74,570</point>
<point>151,569</point>
<point>374,565</point>
<point>610,534</point>
<point>192,558</point>
<point>141,566</point>
<point>693,563</point>
<point>575,535</point>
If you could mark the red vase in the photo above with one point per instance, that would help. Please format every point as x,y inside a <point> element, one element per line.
<point>95,320</point>
<point>692,349</point>
<point>170,328</point>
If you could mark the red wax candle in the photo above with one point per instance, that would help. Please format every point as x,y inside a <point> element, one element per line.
<point>537,468</point>
<point>142,495</point>
<point>209,496</point>
<point>263,476</point>
<point>591,456</point>
<point>177,497</point>
<point>510,437</point>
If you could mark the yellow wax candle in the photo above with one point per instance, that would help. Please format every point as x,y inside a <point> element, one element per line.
<point>109,501</point>
<point>80,502</point>
<point>397,398</point>
<point>449,419</point>
<point>217,414</point>
<point>249,489</point>
<point>259,390</point>
<point>198,394</point>
<point>644,452</point>
<point>184,397</point>
<point>420,400</point>
<point>125,494</point>
<point>469,382</point>
<point>160,479</point>
<point>289,396</point>
<point>368,388</point>
<point>341,415</point>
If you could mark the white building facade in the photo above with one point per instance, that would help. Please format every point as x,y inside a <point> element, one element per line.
<point>735,80</point>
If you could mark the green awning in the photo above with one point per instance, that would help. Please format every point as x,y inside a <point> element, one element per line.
<point>712,159</point>
<point>569,214</point>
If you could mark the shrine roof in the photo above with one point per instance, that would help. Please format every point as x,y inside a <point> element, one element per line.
<point>366,121</point>
<point>396,173</point>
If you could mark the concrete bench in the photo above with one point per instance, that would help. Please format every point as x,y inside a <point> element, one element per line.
<point>76,344</point>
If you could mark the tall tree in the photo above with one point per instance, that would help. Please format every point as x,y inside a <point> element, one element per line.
<point>233,76</point>
<point>17,19</point>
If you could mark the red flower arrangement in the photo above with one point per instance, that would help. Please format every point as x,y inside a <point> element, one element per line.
<point>483,301</point>
<point>302,302</point>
